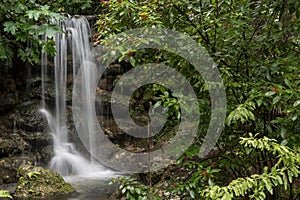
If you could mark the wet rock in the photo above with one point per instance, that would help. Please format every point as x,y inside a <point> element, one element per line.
<point>40,147</point>
<point>37,181</point>
<point>11,144</point>
<point>107,83</point>
<point>38,139</point>
<point>49,94</point>
<point>114,70</point>
<point>9,147</point>
<point>19,143</point>
<point>18,147</point>
<point>28,117</point>
<point>43,155</point>
<point>9,167</point>
<point>7,101</point>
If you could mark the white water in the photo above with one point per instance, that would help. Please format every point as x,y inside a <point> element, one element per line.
<point>75,40</point>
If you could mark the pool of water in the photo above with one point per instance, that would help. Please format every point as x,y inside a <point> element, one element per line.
<point>88,189</point>
<point>93,187</point>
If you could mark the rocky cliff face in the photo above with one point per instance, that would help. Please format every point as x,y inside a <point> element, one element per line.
<point>21,125</point>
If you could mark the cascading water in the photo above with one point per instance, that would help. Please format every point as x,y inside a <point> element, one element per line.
<point>75,41</point>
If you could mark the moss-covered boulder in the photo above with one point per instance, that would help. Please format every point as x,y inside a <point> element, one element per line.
<point>37,181</point>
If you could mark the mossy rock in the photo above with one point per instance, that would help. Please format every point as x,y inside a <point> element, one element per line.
<point>37,181</point>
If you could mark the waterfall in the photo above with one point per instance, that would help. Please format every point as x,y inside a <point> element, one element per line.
<point>75,41</point>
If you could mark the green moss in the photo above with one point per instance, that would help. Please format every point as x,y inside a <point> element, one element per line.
<point>37,181</point>
<point>5,194</point>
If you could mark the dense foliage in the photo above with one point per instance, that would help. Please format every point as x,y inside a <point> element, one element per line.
<point>256,47</point>
<point>26,23</point>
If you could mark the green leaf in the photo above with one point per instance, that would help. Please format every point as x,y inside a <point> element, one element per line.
<point>131,189</point>
<point>192,194</point>
<point>132,61</point>
<point>10,27</point>
<point>259,102</point>
<point>279,180</point>
<point>33,14</point>
<point>52,30</point>
<point>294,118</point>
<point>276,99</point>
<point>137,190</point>
<point>284,142</point>
<point>285,182</point>
<point>123,190</point>
<point>270,93</point>
<point>296,103</point>
<point>210,182</point>
<point>287,82</point>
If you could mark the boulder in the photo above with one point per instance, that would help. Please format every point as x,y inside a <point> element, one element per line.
<point>37,181</point>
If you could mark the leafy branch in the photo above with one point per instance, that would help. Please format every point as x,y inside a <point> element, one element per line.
<point>282,173</point>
